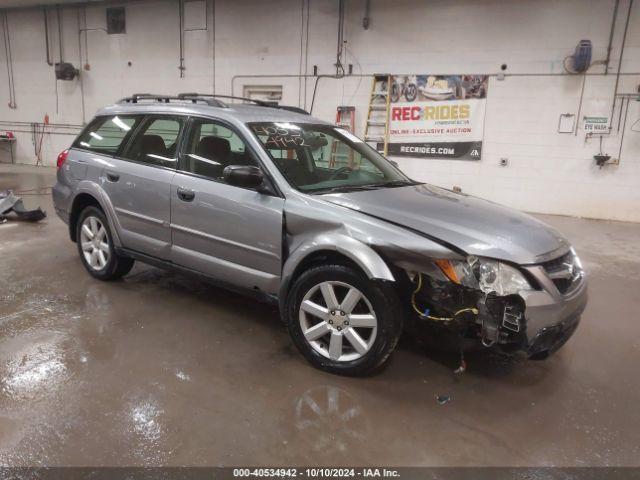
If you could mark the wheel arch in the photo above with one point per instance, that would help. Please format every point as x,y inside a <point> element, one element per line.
<point>337,248</point>
<point>80,202</point>
<point>92,195</point>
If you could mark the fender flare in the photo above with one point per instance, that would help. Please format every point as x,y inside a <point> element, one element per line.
<point>97,192</point>
<point>371,263</point>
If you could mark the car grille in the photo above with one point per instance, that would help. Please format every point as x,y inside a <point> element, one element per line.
<point>565,272</point>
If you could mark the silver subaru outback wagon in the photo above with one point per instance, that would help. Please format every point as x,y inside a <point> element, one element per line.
<point>272,201</point>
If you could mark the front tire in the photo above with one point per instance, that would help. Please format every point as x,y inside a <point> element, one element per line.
<point>96,249</point>
<point>343,322</point>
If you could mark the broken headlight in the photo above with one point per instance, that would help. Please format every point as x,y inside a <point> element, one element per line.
<point>485,274</point>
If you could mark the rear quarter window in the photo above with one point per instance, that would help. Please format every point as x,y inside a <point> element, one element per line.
<point>106,134</point>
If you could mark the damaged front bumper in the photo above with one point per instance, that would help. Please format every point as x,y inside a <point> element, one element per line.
<point>536,321</point>
<point>551,316</point>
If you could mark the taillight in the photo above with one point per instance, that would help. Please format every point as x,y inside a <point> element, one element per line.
<point>62,158</point>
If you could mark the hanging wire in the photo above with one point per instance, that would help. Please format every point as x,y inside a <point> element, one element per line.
<point>340,47</point>
<point>425,313</point>
<point>9,60</point>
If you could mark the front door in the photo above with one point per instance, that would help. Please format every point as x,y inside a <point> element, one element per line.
<point>231,233</point>
<point>139,185</point>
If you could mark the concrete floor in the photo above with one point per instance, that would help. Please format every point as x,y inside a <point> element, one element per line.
<point>162,369</point>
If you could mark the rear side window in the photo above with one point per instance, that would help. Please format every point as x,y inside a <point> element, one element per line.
<point>156,141</point>
<point>105,134</point>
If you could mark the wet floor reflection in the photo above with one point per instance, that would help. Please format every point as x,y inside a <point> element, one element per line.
<point>329,420</point>
<point>146,432</point>
<point>37,370</point>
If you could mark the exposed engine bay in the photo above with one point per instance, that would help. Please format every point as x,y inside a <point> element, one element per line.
<point>470,311</point>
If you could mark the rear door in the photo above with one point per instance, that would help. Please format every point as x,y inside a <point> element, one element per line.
<point>228,232</point>
<point>97,144</point>
<point>139,184</point>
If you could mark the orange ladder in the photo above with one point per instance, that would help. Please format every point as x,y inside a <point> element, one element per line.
<point>345,119</point>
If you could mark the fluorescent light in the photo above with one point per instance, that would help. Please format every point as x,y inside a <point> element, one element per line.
<point>159,157</point>
<point>288,126</point>
<point>121,124</point>
<point>96,136</point>
<point>202,159</point>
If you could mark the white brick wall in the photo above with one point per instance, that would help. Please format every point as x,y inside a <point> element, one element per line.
<point>547,172</point>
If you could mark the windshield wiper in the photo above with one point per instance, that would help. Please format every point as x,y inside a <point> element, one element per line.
<point>390,184</point>
<point>342,188</point>
<point>397,183</point>
<point>366,186</point>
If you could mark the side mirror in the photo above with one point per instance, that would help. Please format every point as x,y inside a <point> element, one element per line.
<point>247,176</point>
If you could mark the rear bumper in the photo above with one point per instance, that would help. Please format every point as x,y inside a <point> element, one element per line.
<point>64,215</point>
<point>60,195</point>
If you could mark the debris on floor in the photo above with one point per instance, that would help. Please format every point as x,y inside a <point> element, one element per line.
<point>443,399</point>
<point>461,369</point>
<point>463,364</point>
<point>9,203</point>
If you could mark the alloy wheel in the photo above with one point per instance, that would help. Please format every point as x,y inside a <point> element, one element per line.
<point>95,243</point>
<point>338,321</point>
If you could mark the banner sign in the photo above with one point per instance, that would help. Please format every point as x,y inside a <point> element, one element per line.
<point>437,116</point>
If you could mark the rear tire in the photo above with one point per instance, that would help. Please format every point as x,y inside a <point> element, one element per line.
<point>348,325</point>
<point>96,249</point>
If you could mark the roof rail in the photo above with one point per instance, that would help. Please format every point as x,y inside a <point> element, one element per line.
<point>292,109</point>
<point>260,103</point>
<point>136,97</point>
<point>190,95</point>
<point>207,98</point>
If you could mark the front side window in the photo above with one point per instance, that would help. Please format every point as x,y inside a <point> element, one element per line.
<point>156,141</point>
<point>323,158</point>
<point>211,147</point>
<point>106,134</point>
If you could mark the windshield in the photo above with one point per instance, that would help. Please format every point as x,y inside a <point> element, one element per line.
<point>323,158</point>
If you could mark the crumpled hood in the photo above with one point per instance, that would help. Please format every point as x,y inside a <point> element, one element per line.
<point>478,227</point>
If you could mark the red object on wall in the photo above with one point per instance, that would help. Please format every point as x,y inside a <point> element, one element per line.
<point>9,134</point>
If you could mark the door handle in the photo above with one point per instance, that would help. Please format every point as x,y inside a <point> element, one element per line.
<point>186,194</point>
<point>113,177</point>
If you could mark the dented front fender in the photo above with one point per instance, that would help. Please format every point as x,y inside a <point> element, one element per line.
<point>364,256</point>
<point>313,224</point>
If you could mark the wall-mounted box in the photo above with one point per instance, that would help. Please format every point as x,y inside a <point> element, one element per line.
<point>195,15</point>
